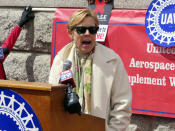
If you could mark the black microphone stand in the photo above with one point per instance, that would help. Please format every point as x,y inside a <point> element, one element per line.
<point>71,101</point>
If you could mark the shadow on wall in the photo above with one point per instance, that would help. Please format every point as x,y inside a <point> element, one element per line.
<point>31,58</point>
<point>29,67</point>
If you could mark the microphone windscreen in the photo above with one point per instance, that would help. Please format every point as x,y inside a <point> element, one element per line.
<point>67,65</point>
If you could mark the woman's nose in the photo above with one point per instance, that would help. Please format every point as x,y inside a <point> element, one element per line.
<point>87,32</point>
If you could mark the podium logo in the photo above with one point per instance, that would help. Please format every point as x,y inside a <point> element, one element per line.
<point>160,22</point>
<point>16,114</point>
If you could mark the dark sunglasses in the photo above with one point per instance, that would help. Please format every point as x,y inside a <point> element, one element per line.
<point>82,29</point>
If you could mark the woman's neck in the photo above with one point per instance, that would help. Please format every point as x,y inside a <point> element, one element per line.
<point>82,55</point>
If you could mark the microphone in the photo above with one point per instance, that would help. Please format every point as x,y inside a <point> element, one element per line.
<point>71,100</point>
<point>4,52</point>
<point>66,76</point>
<point>67,65</point>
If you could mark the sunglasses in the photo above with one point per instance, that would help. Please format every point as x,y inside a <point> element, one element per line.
<point>82,29</point>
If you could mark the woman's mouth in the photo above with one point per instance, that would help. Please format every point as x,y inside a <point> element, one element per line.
<point>86,42</point>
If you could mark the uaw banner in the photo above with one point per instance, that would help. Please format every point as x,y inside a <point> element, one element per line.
<point>103,9</point>
<point>150,67</point>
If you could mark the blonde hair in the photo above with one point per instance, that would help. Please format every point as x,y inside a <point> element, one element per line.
<point>79,16</point>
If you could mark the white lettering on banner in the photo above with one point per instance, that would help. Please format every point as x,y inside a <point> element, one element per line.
<point>102,17</point>
<point>168,18</point>
<point>155,66</point>
<point>159,49</point>
<point>172,81</point>
<point>147,80</point>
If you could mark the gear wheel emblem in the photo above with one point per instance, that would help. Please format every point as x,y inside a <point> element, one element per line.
<point>160,22</point>
<point>16,113</point>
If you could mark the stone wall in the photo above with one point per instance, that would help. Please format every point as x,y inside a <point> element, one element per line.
<point>30,58</point>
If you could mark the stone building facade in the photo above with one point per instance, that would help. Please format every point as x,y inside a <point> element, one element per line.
<point>30,58</point>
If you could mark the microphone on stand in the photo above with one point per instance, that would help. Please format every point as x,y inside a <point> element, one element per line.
<point>71,100</point>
